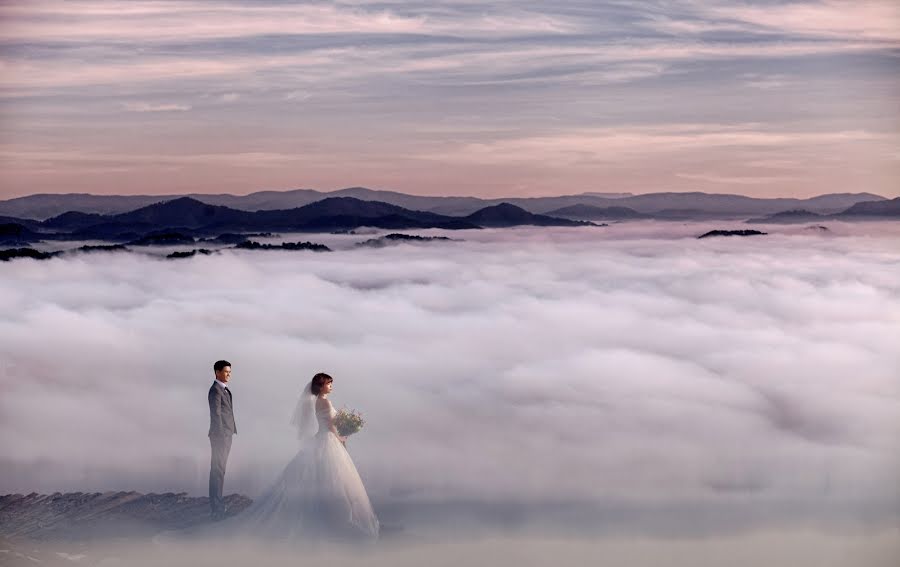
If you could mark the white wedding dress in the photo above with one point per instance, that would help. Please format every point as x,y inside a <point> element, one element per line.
<point>319,495</point>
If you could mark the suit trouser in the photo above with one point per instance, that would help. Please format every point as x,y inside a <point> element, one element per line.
<point>221,446</point>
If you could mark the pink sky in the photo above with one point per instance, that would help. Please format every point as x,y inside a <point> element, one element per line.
<point>519,99</point>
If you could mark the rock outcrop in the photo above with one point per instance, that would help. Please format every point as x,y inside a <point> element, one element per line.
<point>85,516</point>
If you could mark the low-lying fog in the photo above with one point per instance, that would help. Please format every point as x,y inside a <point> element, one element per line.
<point>628,380</point>
<point>770,548</point>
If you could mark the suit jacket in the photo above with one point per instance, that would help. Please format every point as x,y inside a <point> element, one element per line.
<point>221,412</point>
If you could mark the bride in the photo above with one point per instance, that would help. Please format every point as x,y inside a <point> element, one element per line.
<point>319,494</point>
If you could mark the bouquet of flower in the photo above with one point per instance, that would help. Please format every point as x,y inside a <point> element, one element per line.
<point>348,422</point>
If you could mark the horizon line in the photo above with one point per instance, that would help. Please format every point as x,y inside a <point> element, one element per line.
<point>601,194</point>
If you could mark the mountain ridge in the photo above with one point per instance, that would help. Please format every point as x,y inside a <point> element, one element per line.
<point>190,218</point>
<point>196,219</point>
<point>866,210</point>
<point>43,206</point>
<point>592,212</point>
<point>506,215</point>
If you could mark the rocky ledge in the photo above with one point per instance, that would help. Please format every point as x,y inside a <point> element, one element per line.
<point>80,516</point>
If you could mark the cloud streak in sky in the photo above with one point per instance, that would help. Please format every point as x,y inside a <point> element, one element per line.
<point>147,107</point>
<point>166,21</point>
<point>641,142</point>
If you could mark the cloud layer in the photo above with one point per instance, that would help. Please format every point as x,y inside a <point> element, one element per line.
<point>632,366</point>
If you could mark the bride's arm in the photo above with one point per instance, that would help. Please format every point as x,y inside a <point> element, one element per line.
<point>325,405</point>
<point>334,430</point>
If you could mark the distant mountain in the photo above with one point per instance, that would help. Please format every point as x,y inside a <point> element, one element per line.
<point>73,220</point>
<point>195,219</point>
<point>30,224</point>
<point>265,200</point>
<point>90,249</point>
<point>713,233</point>
<point>786,217</point>
<point>837,202</point>
<point>505,215</point>
<point>14,230</point>
<point>608,195</point>
<point>45,206</point>
<point>887,209</point>
<point>183,219</point>
<point>346,207</point>
<point>184,214</point>
<point>452,206</point>
<point>882,209</point>
<point>13,253</point>
<point>341,213</point>
<point>738,205</point>
<point>252,245</point>
<point>16,234</point>
<point>234,238</point>
<point>692,214</point>
<point>162,238</point>
<point>114,231</point>
<point>395,238</point>
<point>180,254</point>
<point>679,205</point>
<point>184,211</point>
<point>590,212</point>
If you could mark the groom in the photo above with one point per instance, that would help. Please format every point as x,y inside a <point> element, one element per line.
<point>221,428</point>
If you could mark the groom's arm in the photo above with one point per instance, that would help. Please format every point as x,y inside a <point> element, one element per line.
<point>215,412</point>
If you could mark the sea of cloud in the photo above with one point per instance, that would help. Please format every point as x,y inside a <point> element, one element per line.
<point>788,548</point>
<point>629,377</point>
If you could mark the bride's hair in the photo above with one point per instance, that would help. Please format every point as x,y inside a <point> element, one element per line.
<point>318,381</point>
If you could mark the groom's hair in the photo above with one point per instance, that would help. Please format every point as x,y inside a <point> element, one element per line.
<point>318,381</point>
<point>220,364</point>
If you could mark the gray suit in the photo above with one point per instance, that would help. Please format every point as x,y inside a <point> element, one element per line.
<point>221,429</point>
